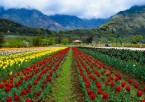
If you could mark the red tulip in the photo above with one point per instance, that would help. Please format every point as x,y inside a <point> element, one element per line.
<point>144,89</point>
<point>1,86</point>
<point>112,83</point>
<point>106,83</point>
<point>112,78</point>
<point>116,79</point>
<point>109,79</point>
<point>7,84</point>
<point>20,81</point>
<point>99,92</point>
<point>89,91</point>
<point>8,99</point>
<point>139,93</point>
<point>92,96</point>
<point>29,100</point>
<point>17,84</point>
<point>4,80</point>
<point>128,88</point>
<point>28,91</point>
<point>11,85</point>
<point>143,101</point>
<point>118,88</point>
<point>87,84</point>
<point>98,75</point>
<point>48,79</point>
<point>45,81</point>
<point>90,76</point>
<point>98,85</point>
<point>136,85</point>
<point>29,86</point>
<point>94,78</point>
<point>23,92</point>
<point>103,79</point>
<point>16,97</point>
<point>105,96</point>
<point>130,81</point>
<point>7,89</point>
<point>123,84</point>
<point>35,82</point>
<point>38,93</point>
<point>85,78</point>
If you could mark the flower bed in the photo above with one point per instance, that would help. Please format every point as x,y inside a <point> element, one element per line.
<point>100,83</point>
<point>34,82</point>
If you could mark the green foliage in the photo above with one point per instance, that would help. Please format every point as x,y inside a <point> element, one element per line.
<point>122,64</point>
<point>10,27</point>
<point>89,39</point>
<point>62,91</point>
<point>1,39</point>
<point>137,39</point>
<point>14,43</point>
<point>48,41</point>
<point>37,41</point>
<point>65,41</point>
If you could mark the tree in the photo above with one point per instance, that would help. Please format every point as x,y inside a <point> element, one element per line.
<point>1,39</point>
<point>59,36</point>
<point>65,41</point>
<point>39,31</point>
<point>49,41</point>
<point>37,41</point>
<point>137,39</point>
<point>89,39</point>
<point>52,33</point>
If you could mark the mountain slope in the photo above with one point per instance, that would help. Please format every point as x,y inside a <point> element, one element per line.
<point>31,18</point>
<point>73,22</point>
<point>69,22</point>
<point>10,27</point>
<point>131,21</point>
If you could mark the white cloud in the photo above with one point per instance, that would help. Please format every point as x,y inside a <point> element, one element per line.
<point>80,8</point>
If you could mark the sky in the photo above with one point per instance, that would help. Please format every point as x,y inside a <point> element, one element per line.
<point>80,8</point>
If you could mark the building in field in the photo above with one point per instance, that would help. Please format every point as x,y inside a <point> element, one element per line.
<point>77,42</point>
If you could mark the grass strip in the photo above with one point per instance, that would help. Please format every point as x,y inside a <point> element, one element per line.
<point>63,87</point>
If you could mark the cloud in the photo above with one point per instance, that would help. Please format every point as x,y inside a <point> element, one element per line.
<point>80,8</point>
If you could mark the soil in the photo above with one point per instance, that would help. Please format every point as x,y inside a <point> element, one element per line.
<point>79,94</point>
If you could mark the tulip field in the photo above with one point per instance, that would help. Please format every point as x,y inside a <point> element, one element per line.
<point>65,74</point>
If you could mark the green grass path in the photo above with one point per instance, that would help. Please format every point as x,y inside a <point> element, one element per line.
<point>62,90</point>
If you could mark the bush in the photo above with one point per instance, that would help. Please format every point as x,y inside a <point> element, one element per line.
<point>65,41</point>
<point>49,41</point>
<point>37,41</point>
<point>14,43</point>
<point>137,39</point>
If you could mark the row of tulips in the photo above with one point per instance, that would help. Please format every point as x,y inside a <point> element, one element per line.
<point>129,67</point>
<point>33,83</point>
<point>126,55</point>
<point>16,62</point>
<point>10,51</point>
<point>100,83</point>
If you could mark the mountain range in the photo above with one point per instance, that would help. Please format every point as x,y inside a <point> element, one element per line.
<point>36,19</point>
<point>128,22</point>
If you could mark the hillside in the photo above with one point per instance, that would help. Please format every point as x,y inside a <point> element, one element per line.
<point>130,22</point>
<point>10,27</point>
<point>73,22</point>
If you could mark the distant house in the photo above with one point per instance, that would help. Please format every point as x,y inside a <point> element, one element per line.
<point>77,42</point>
